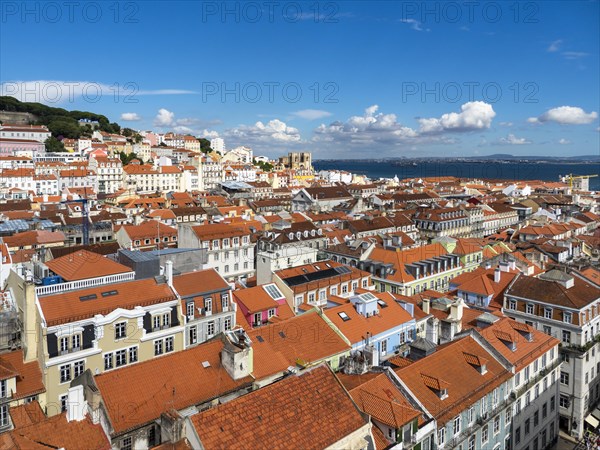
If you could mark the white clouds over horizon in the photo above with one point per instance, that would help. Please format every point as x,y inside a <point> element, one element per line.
<point>311,114</point>
<point>565,115</point>
<point>511,139</point>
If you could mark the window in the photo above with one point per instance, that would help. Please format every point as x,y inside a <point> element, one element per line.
<point>64,345</point>
<point>225,302</point>
<point>507,417</point>
<point>496,425</point>
<point>564,357</point>
<point>169,344</point>
<point>78,368</point>
<point>63,402</point>
<point>166,320</point>
<point>529,308</point>
<point>527,426</point>
<point>495,397</point>
<point>564,401</point>
<point>311,297</point>
<point>120,330</point>
<point>518,435</point>
<point>471,442</point>
<point>547,329</point>
<point>333,290</point>
<point>126,444</point>
<point>156,323</point>
<point>544,410</point>
<point>536,418</point>
<point>3,389</point>
<point>384,346</point>
<point>192,335</point>
<point>518,378</point>
<point>65,373</point>
<point>456,425</point>
<point>470,415</point>
<point>345,288</point>
<point>76,342</point>
<point>552,403</point>
<point>190,309</point>
<point>548,313</point>
<point>484,434</point>
<point>567,317</point>
<point>208,303</point>
<point>564,378</point>
<point>108,361</point>
<point>121,358</point>
<point>4,416</point>
<point>512,305</point>
<point>441,436</point>
<point>483,405</point>
<point>133,354</point>
<point>210,328</point>
<point>271,312</point>
<point>226,269</point>
<point>158,347</point>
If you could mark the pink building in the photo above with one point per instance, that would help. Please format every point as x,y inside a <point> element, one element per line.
<point>21,147</point>
<point>262,304</point>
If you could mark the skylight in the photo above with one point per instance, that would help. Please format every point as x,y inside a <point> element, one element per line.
<point>273,291</point>
<point>344,316</point>
<point>88,297</point>
<point>382,303</point>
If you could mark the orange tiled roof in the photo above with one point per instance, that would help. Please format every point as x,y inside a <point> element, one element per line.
<point>288,343</point>
<point>198,282</point>
<point>308,410</point>
<point>28,375</point>
<point>467,384</point>
<point>179,380</point>
<point>56,432</point>
<point>68,307</point>
<point>85,264</point>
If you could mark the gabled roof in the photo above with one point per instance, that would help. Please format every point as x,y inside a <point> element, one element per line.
<point>175,381</point>
<point>356,327</point>
<point>85,264</point>
<point>382,400</point>
<point>28,375</point>
<point>287,343</point>
<point>199,282</point>
<point>308,410</point>
<point>84,304</point>
<point>256,299</point>
<point>41,433</point>
<point>448,368</point>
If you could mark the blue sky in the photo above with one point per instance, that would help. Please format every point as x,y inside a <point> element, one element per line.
<point>341,79</point>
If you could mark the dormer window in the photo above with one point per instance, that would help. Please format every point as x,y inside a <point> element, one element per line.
<point>548,313</point>
<point>567,317</point>
<point>529,308</point>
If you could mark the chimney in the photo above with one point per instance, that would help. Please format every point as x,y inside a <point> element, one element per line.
<point>456,310</point>
<point>237,354</point>
<point>169,273</point>
<point>497,275</point>
<point>76,404</point>
<point>425,305</point>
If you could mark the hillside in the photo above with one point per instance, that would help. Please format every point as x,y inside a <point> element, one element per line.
<point>60,122</point>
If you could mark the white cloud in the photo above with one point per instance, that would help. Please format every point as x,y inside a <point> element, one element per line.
<point>506,124</point>
<point>511,139</point>
<point>273,132</point>
<point>554,46</point>
<point>164,118</point>
<point>130,117</point>
<point>415,24</point>
<point>208,134</point>
<point>61,91</point>
<point>565,115</point>
<point>473,116</point>
<point>311,114</point>
<point>574,55</point>
<point>564,141</point>
<point>371,127</point>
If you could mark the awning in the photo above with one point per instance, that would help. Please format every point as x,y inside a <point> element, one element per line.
<point>596,413</point>
<point>592,421</point>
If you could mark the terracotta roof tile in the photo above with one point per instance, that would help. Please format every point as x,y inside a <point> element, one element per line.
<point>85,264</point>
<point>178,380</point>
<point>68,306</point>
<point>308,410</point>
<point>300,340</point>
<point>29,375</point>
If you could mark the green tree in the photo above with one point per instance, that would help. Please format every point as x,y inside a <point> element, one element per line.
<point>54,145</point>
<point>205,145</point>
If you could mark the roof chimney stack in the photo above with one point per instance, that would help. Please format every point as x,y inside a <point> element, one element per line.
<point>497,274</point>
<point>169,273</point>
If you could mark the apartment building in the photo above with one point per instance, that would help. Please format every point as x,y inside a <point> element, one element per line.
<point>311,285</point>
<point>565,305</point>
<point>207,304</point>
<point>229,246</point>
<point>90,313</point>
<point>108,172</point>
<point>147,235</point>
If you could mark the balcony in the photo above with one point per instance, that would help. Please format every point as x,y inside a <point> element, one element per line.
<point>533,381</point>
